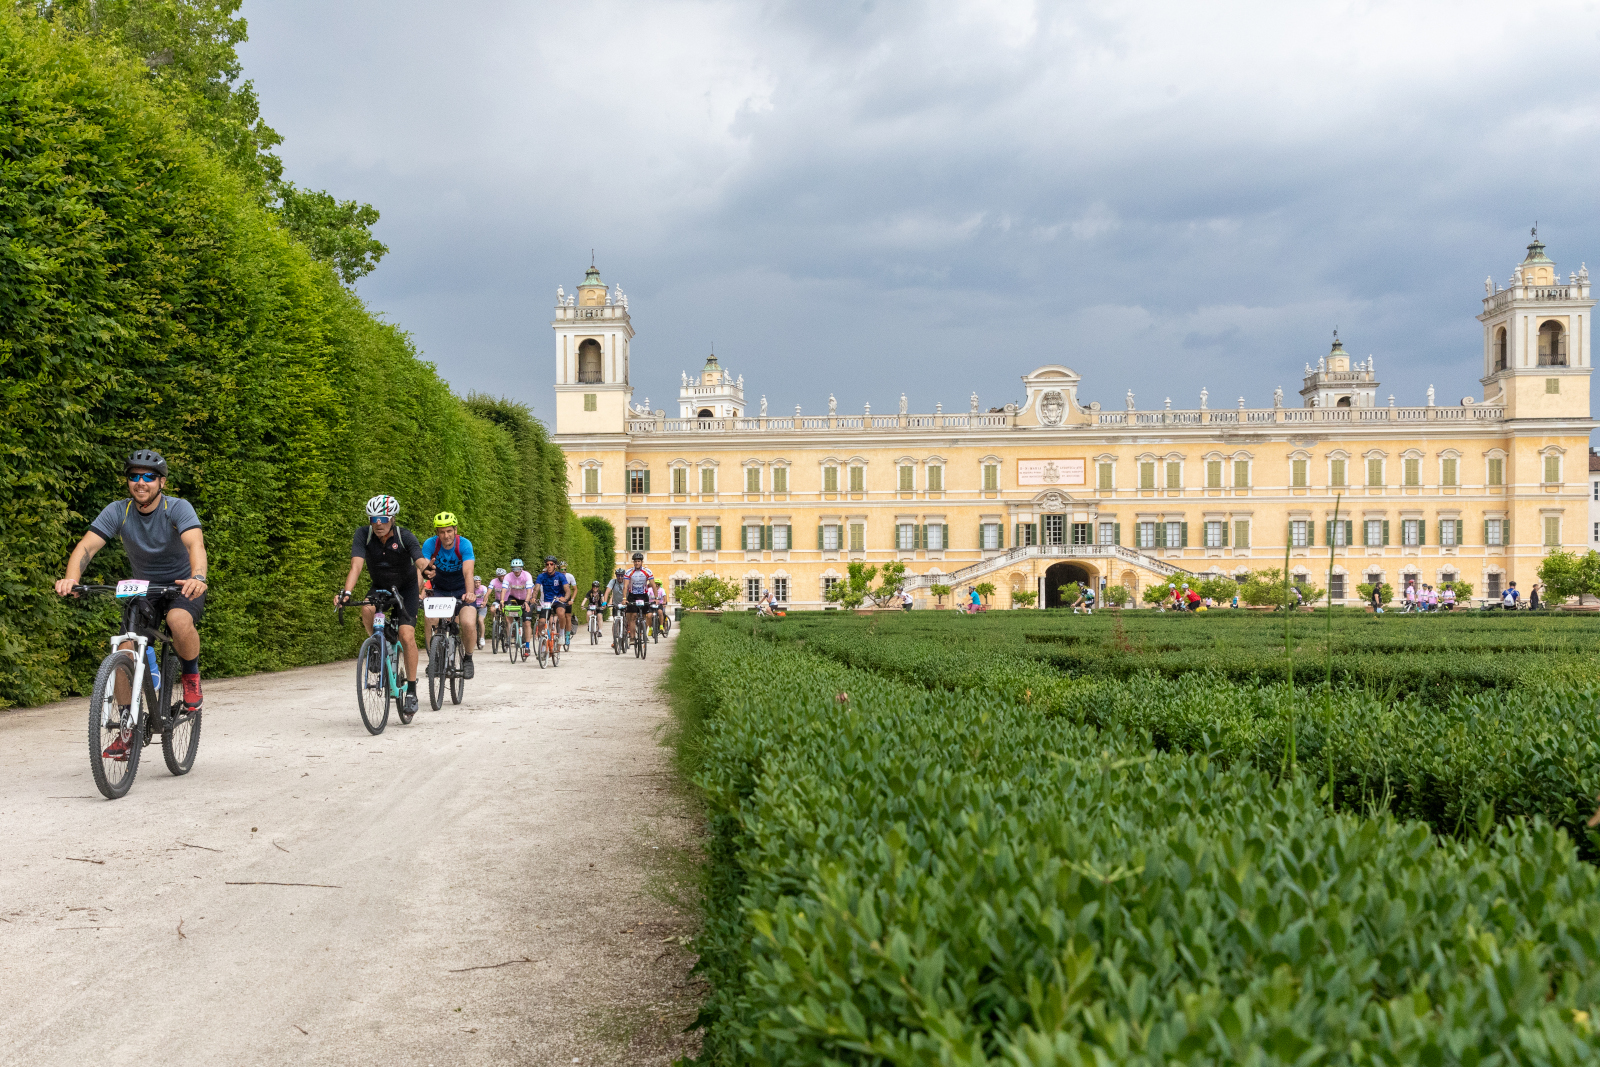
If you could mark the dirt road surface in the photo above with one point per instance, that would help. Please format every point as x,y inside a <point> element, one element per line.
<point>485,884</point>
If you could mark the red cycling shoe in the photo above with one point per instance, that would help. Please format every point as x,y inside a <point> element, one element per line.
<point>191,692</point>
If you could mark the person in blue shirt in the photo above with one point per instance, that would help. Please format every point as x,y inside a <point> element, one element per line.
<point>450,564</point>
<point>553,593</point>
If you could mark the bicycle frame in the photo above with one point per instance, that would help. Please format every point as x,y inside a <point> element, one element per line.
<point>141,640</point>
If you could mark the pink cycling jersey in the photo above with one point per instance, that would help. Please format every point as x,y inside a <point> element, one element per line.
<point>517,587</point>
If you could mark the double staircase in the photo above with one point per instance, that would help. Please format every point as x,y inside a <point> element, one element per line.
<point>1103,554</point>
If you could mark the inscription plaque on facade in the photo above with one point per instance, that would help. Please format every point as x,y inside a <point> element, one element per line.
<point>1050,471</point>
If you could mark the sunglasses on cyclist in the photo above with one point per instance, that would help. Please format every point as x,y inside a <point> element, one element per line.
<point>379,520</point>
<point>147,476</point>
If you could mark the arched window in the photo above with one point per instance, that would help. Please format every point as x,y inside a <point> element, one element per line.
<point>589,362</point>
<point>1344,402</point>
<point>1500,349</point>
<point>705,413</point>
<point>1552,345</point>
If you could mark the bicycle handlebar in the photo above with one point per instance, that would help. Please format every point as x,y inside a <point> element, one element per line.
<point>153,589</point>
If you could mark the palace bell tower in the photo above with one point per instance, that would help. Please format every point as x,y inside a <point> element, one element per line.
<point>1536,340</point>
<point>593,334</point>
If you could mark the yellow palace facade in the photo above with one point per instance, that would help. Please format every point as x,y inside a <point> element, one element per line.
<point>1047,490</point>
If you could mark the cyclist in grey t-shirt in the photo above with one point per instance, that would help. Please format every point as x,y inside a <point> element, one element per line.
<point>162,537</point>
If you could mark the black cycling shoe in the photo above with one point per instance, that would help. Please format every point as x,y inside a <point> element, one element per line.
<point>410,705</point>
<point>466,667</point>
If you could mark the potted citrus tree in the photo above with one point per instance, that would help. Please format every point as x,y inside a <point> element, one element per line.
<point>707,593</point>
<point>939,592</point>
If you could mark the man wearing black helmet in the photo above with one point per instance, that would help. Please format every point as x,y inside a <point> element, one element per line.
<point>162,537</point>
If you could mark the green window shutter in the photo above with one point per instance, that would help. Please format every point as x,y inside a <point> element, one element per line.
<point>1016,534</point>
<point>819,539</point>
<point>1224,535</point>
<point>1349,530</point>
<point>719,535</point>
<point>647,538</point>
<point>1329,530</point>
<point>1185,543</point>
<point>1505,531</point>
<point>1385,531</point>
<point>1422,532</point>
<point>766,537</point>
<point>1364,542</point>
<point>1161,535</point>
<point>1461,532</point>
<point>1311,535</point>
<point>647,483</point>
<point>1485,531</point>
<point>1116,533</point>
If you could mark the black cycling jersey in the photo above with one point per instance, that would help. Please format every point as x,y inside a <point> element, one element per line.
<point>392,559</point>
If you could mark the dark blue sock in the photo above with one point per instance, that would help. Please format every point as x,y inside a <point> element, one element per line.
<point>190,666</point>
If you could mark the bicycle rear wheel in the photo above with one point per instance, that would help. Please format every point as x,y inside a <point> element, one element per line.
<point>437,662</point>
<point>372,696</point>
<point>555,649</point>
<point>113,775</point>
<point>494,636</point>
<point>181,740</point>
<point>641,646</point>
<point>541,638</point>
<point>458,677</point>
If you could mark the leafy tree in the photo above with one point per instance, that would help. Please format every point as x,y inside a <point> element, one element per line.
<point>857,588</point>
<point>1385,592</point>
<point>189,51</point>
<point>1463,589</point>
<point>1267,588</point>
<point>985,590</point>
<point>707,593</point>
<point>1116,595</point>
<point>1566,575</point>
<point>1156,594</point>
<point>939,591</point>
<point>1025,597</point>
<point>1218,587</point>
<point>1070,592</point>
<point>338,232</point>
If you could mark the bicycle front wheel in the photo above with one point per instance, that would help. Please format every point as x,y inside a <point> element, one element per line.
<point>437,664</point>
<point>458,676</point>
<point>372,697</point>
<point>114,743</point>
<point>641,646</point>
<point>397,684</point>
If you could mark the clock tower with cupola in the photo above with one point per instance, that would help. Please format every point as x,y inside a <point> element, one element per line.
<point>593,336</point>
<point>1536,340</point>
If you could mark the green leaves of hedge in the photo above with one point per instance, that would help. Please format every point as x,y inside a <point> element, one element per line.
<point>910,876</point>
<point>148,299</point>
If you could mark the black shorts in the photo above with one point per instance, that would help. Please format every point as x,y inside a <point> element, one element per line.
<point>410,605</point>
<point>195,607</point>
<point>638,603</point>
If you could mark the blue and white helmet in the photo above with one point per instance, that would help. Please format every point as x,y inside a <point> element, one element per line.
<point>516,564</point>
<point>383,506</point>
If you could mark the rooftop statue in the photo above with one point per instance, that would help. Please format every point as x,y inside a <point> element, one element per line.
<point>561,296</point>
<point>833,405</point>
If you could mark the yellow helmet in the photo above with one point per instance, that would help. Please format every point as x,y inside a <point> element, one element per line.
<point>444,518</point>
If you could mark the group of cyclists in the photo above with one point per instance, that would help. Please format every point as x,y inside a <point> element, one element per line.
<point>164,543</point>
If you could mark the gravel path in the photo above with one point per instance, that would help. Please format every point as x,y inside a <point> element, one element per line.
<point>497,865</point>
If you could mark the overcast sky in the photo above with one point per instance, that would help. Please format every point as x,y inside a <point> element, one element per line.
<point>936,198</point>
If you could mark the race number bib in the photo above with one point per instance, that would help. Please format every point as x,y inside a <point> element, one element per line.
<point>439,607</point>
<point>132,587</point>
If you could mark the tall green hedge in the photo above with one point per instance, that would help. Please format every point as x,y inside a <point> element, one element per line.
<point>148,300</point>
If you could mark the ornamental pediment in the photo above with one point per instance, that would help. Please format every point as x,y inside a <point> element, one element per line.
<point>1052,398</point>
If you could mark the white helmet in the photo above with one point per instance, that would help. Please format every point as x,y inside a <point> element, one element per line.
<point>383,506</point>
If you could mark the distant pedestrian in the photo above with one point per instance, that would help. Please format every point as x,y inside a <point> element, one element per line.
<point>1377,598</point>
<point>1533,597</point>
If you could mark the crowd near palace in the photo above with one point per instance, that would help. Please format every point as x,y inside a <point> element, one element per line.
<point>1036,494</point>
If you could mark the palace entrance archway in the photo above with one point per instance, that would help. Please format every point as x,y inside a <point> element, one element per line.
<point>1059,575</point>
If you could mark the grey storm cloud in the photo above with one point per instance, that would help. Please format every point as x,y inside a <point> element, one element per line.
<point>935,198</point>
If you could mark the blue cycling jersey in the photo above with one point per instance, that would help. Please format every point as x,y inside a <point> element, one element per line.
<point>551,586</point>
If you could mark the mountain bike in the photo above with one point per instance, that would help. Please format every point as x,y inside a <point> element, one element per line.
<point>511,619</point>
<point>594,626</point>
<point>132,697</point>
<point>636,629</point>
<point>619,629</point>
<point>655,625</point>
<point>496,628</point>
<point>445,669</point>
<point>380,666</point>
<point>546,638</point>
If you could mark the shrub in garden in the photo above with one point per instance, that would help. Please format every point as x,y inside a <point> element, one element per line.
<point>917,877</point>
